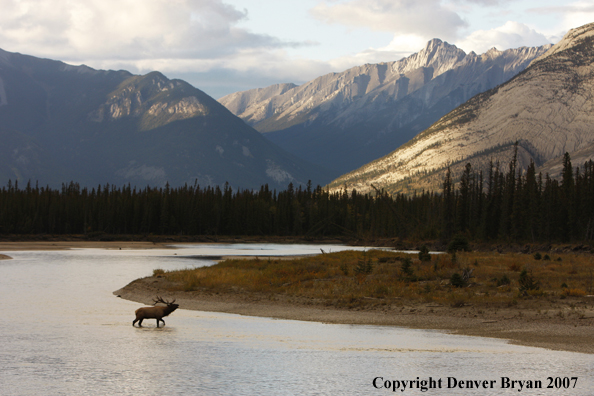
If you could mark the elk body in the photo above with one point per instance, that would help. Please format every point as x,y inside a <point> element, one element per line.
<point>155,312</point>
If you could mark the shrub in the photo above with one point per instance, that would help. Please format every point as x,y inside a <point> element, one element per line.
<point>364,266</point>
<point>454,259</point>
<point>527,281</point>
<point>504,280</point>
<point>546,257</point>
<point>514,267</point>
<point>573,292</point>
<point>458,243</point>
<point>406,267</point>
<point>424,253</point>
<point>158,272</point>
<point>537,256</point>
<point>457,280</point>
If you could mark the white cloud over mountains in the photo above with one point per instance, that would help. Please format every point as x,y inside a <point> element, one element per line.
<point>510,35</point>
<point>212,44</point>
<point>128,29</point>
<point>417,17</point>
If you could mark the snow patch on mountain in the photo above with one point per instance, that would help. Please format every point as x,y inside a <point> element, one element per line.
<point>276,173</point>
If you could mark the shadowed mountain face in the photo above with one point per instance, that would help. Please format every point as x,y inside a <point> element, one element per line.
<point>61,123</point>
<point>547,109</point>
<point>344,120</point>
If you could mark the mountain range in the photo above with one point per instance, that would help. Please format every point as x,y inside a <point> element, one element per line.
<point>544,111</point>
<point>345,120</point>
<point>62,123</point>
<point>440,108</point>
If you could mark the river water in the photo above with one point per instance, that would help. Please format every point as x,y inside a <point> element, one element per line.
<point>63,332</point>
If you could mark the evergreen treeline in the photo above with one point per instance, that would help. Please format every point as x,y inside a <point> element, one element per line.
<point>500,206</point>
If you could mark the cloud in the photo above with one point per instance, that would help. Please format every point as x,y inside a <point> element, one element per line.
<point>426,18</point>
<point>570,15</point>
<point>400,47</point>
<point>127,29</point>
<point>510,35</point>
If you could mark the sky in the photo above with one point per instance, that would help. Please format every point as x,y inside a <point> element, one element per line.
<point>224,46</point>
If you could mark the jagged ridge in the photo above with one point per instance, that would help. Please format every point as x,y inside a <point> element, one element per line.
<point>343,120</point>
<point>547,108</point>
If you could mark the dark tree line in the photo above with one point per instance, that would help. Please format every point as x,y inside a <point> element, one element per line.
<point>502,205</point>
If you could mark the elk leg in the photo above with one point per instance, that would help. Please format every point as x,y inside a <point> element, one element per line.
<point>157,322</point>
<point>140,322</point>
<point>134,322</point>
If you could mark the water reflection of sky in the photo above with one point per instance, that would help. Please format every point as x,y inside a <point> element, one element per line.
<point>63,332</point>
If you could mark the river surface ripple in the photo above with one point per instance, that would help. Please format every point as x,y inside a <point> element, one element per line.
<point>63,332</point>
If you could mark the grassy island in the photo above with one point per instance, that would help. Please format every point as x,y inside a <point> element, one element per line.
<point>532,299</point>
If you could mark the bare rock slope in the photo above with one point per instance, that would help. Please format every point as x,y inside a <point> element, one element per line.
<point>344,120</point>
<point>547,109</point>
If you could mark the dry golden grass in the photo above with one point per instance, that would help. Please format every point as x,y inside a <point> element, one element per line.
<point>339,279</point>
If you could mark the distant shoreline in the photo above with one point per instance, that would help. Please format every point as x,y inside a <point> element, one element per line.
<point>521,327</point>
<point>62,242</point>
<point>65,245</point>
<point>79,242</point>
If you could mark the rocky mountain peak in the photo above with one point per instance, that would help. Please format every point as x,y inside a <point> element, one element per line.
<point>437,54</point>
<point>366,111</point>
<point>540,113</point>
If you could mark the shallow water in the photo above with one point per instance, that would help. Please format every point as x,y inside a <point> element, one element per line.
<point>64,333</point>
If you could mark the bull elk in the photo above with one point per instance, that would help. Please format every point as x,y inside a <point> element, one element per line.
<point>155,312</point>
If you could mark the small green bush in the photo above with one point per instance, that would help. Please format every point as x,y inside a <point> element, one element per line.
<point>537,256</point>
<point>457,280</point>
<point>424,253</point>
<point>458,243</point>
<point>406,267</point>
<point>364,265</point>
<point>527,281</point>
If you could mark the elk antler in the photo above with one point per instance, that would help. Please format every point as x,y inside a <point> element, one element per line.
<point>160,300</point>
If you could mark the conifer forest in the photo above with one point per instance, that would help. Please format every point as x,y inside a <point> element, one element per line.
<point>504,204</point>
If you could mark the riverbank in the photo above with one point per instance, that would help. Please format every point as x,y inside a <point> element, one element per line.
<point>108,241</point>
<point>63,242</point>
<point>65,245</point>
<point>552,325</point>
